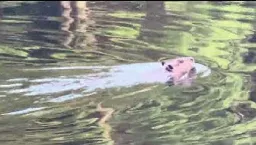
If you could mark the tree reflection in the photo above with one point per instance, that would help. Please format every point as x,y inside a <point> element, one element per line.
<point>77,21</point>
<point>153,24</point>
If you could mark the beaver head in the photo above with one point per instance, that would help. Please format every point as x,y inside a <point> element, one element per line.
<point>178,67</point>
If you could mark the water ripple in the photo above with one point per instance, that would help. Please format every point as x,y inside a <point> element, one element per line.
<point>55,58</point>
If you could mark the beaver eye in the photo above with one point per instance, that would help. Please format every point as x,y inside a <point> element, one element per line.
<point>181,61</point>
<point>170,67</point>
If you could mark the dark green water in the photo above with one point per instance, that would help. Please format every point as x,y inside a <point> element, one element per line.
<point>216,110</point>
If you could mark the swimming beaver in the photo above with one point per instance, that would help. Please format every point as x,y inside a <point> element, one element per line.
<point>179,69</point>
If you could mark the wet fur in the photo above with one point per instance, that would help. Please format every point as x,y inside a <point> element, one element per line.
<point>171,65</point>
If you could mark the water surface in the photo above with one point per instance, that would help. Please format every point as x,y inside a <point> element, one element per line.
<point>45,46</point>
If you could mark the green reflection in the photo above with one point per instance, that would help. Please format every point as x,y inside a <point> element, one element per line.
<point>214,33</point>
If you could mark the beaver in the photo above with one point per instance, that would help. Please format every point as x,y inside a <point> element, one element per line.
<point>180,69</point>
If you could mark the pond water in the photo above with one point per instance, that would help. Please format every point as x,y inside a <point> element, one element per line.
<point>56,86</point>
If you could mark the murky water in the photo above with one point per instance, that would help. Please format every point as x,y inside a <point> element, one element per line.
<point>69,73</point>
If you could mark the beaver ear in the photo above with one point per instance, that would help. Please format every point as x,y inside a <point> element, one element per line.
<point>181,61</point>
<point>162,63</point>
